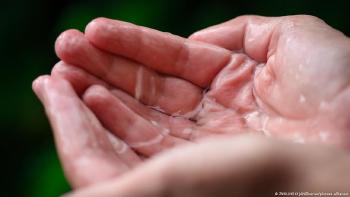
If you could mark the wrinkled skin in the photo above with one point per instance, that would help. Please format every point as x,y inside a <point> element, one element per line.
<point>283,77</point>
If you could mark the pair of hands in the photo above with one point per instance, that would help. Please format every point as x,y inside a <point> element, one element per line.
<point>123,93</point>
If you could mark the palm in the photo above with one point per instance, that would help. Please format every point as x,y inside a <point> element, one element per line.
<point>310,81</point>
<point>244,94</point>
<point>188,89</point>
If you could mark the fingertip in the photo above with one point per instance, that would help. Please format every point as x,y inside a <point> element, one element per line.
<point>95,95</point>
<point>95,23</point>
<point>101,31</point>
<point>68,44</point>
<point>59,69</point>
<point>205,34</point>
<point>195,36</point>
<point>38,86</point>
<point>67,72</point>
<point>39,82</point>
<point>96,27</point>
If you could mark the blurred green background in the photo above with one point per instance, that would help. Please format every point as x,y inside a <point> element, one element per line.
<point>29,163</point>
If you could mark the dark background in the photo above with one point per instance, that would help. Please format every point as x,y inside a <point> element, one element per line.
<point>29,164</point>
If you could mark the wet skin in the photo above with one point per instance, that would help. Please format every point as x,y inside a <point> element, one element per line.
<point>283,77</point>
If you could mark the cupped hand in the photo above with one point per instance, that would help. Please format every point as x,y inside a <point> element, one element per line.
<point>284,77</point>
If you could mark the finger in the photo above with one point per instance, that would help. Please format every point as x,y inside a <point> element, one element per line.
<point>143,83</point>
<point>140,134</point>
<point>163,52</point>
<point>178,126</point>
<point>82,143</point>
<point>79,79</point>
<point>255,35</point>
<point>123,151</point>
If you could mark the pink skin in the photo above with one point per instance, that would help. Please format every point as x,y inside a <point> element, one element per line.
<point>249,91</point>
<point>89,153</point>
<point>290,80</point>
<point>259,167</point>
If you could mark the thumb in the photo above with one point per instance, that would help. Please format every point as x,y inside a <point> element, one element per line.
<point>252,34</point>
